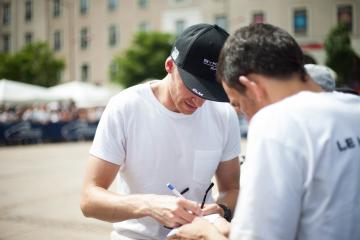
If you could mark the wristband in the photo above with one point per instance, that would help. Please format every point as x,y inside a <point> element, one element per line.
<point>227,212</point>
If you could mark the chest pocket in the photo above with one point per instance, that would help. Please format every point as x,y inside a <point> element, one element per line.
<point>205,165</point>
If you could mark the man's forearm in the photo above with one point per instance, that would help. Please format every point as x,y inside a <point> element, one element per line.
<point>102,204</point>
<point>228,198</point>
<point>228,180</point>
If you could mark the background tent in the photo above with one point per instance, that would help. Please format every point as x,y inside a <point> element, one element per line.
<point>83,94</point>
<point>13,92</point>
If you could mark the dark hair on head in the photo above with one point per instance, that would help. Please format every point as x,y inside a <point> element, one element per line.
<point>263,49</point>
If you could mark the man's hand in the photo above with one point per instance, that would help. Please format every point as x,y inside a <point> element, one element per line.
<point>222,226</point>
<point>211,209</point>
<point>172,211</point>
<point>198,229</point>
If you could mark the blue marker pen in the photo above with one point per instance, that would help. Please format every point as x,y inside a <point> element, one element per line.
<point>174,191</point>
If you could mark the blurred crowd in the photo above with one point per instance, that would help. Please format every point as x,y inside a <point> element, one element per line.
<point>49,113</point>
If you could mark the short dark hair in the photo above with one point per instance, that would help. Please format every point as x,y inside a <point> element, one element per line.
<point>262,49</point>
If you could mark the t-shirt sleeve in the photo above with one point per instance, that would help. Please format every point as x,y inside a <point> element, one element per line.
<point>109,141</point>
<point>271,183</point>
<point>232,143</point>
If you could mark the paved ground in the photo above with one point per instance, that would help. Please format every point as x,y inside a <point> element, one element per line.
<point>39,194</point>
<point>39,189</point>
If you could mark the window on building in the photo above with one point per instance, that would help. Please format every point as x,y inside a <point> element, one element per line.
<point>84,38</point>
<point>84,7</point>
<point>85,72</point>
<point>28,10</point>
<point>221,21</point>
<point>258,17</point>
<point>300,21</point>
<point>57,41</point>
<point>179,26</point>
<point>28,38</point>
<point>345,15</point>
<point>113,35</point>
<point>6,43</point>
<point>143,3</point>
<point>6,13</point>
<point>56,8</point>
<point>112,4</point>
<point>144,27</point>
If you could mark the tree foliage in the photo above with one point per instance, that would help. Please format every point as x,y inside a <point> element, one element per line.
<point>340,56</point>
<point>144,59</point>
<point>34,64</point>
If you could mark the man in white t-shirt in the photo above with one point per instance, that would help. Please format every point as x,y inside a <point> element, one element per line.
<point>164,132</point>
<point>301,177</point>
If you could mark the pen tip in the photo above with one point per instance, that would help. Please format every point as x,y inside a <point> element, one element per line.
<point>170,186</point>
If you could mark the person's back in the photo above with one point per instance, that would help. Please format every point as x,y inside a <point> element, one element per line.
<point>301,176</point>
<point>330,203</point>
<point>318,175</point>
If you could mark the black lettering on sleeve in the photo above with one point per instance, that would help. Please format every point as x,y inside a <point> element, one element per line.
<point>350,143</point>
<point>341,148</point>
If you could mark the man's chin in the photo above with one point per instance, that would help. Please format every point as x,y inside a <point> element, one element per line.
<point>188,111</point>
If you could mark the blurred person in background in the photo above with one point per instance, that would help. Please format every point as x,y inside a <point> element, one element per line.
<point>322,75</point>
<point>325,77</point>
<point>8,115</point>
<point>164,132</point>
<point>302,171</point>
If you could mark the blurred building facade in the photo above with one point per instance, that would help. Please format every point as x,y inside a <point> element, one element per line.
<point>87,34</point>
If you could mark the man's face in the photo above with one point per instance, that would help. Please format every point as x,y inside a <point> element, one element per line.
<point>184,100</point>
<point>241,102</point>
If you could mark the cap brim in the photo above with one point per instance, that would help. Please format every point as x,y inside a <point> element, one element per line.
<point>209,90</point>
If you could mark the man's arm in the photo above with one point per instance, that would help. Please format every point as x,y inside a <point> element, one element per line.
<point>227,177</point>
<point>100,203</point>
<point>228,180</point>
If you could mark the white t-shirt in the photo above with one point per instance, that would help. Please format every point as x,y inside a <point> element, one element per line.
<point>155,146</point>
<point>301,178</point>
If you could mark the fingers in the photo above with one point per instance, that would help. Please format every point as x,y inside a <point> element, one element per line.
<point>190,206</point>
<point>185,215</point>
<point>211,209</point>
<point>183,212</point>
<point>222,226</point>
<point>173,212</point>
<point>186,211</point>
<point>196,230</point>
<point>174,222</point>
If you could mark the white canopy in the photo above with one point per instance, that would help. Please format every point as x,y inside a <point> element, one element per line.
<point>83,94</point>
<point>14,92</point>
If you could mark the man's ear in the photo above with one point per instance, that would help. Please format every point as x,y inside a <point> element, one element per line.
<point>253,89</point>
<point>169,65</point>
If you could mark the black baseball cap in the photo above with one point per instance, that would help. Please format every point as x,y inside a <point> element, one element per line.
<point>195,52</point>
